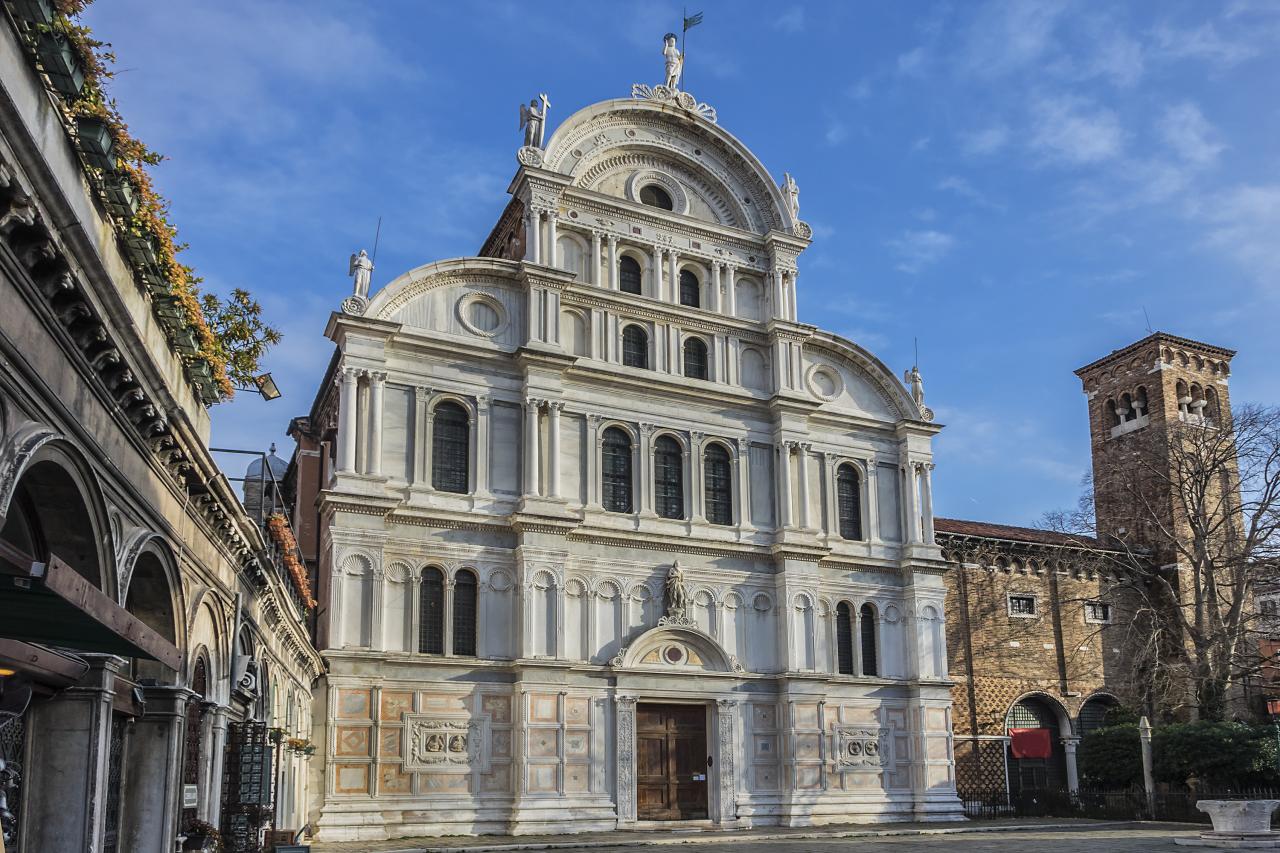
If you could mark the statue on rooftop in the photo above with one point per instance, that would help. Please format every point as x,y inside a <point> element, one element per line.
<point>791,194</point>
<point>675,60</point>
<point>912,379</point>
<point>534,121</point>
<point>677,596</point>
<point>361,269</point>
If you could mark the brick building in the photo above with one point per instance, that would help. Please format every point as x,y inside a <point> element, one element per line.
<point>1039,632</point>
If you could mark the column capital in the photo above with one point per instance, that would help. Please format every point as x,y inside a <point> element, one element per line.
<point>696,437</point>
<point>742,444</point>
<point>594,419</point>
<point>378,376</point>
<point>803,446</point>
<point>422,393</point>
<point>533,402</point>
<point>554,406</point>
<point>482,401</point>
<point>612,238</point>
<point>647,429</point>
<point>790,445</point>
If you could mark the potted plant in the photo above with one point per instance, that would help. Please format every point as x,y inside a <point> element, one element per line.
<point>93,138</point>
<point>34,11</point>
<point>60,63</point>
<point>120,195</point>
<point>201,836</point>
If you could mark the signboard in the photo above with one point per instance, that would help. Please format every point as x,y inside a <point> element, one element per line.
<point>190,797</point>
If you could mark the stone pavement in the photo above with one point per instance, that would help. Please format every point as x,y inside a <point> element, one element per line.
<point>1013,836</point>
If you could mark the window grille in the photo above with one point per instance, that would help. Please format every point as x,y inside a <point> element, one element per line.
<point>431,615</point>
<point>655,196</point>
<point>867,629</point>
<point>629,276</point>
<point>464,614</point>
<point>719,485</point>
<point>616,470</point>
<point>1031,714</point>
<point>450,436</point>
<point>635,347</point>
<point>1097,611</point>
<point>849,503</point>
<point>668,478</point>
<point>844,638</point>
<point>695,359</point>
<point>1022,605</point>
<point>690,289</point>
<point>1093,715</point>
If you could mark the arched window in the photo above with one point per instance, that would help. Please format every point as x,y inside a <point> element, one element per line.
<point>719,485</point>
<point>690,289</point>
<point>655,196</point>
<point>464,613</point>
<point>431,613</point>
<point>615,467</point>
<point>695,358</point>
<point>844,638</point>
<point>450,435</point>
<point>629,276</point>
<point>668,478</point>
<point>635,347</point>
<point>867,632</point>
<point>849,502</point>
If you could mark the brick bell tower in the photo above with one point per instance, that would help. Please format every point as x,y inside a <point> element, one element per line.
<point>1157,380</point>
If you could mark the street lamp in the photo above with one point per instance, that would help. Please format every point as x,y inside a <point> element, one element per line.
<point>1273,708</point>
<point>264,385</point>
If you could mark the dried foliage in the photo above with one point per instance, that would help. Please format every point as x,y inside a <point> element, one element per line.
<point>282,535</point>
<point>1190,519</point>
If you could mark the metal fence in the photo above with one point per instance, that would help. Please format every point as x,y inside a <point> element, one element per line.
<point>1129,804</point>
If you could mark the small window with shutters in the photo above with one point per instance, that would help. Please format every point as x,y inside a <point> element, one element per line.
<point>464,613</point>
<point>718,468</point>
<point>431,613</point>
<point>695,358</point>
<point>630,279</point>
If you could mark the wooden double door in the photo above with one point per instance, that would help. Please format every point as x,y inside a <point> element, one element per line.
<point>671,762</point>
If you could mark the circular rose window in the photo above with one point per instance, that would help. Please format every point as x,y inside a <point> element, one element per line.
<point>482,315</point>
<point>673,654</point>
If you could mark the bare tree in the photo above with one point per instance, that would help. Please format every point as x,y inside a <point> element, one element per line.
<point>1188,511</point>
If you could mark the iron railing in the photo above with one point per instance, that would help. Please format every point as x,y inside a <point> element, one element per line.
<point>1127,804</point>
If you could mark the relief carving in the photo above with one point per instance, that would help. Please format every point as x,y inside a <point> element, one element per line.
<point>444,745</point>
<point>860,748</point>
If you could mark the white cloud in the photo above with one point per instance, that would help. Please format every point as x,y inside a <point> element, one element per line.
<point>836,133</point>
<point>1009,35</point>
<point>916,250</point>
<point>1244,222</point>
<point>911,63</point>
<point>1204,43</point>
<point>791,21</point>
<point>1118,57</point>
<point>988,140</point>
<point>1072,130</point>
<point>861,90</point>
<point>964,189</point>
<point>1185,129</point>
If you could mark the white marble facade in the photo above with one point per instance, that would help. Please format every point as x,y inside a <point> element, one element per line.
<point>534,729</point>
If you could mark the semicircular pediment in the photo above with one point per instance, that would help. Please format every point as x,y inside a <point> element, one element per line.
<point>712,157</point>
<point>845,375</point>
<point>678,648</point>
<point>475,298</point>
<point>613,172</point>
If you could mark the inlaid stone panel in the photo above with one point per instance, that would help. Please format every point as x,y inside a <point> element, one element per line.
<point>351,778</point>
<point>396,703</point>
<point>353,705</point>
<point>391,780</point>
<point>352,741</point>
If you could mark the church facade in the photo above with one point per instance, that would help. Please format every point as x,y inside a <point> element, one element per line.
<point>608,536</point>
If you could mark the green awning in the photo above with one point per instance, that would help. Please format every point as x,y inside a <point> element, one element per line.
<point>51,604</point>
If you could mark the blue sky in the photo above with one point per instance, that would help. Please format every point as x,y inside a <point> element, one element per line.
<point>1011,183</point>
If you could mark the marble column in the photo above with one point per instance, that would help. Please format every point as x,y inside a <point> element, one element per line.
<point>481,449</point>
<point>802,460</point>
<point>1069,745</point>
<point>658,290</point>
<point>926,500</point>
<point>830,519</point>
<point>64,795</point>
<point>912,508</point>
<point>377,381</point>
<point>872,502</point>
<point>211,791</point>
<point>645,469</point>
<point>151,798</point>
<point>347,386</point>
<point>553,251</point>
<point>727,726</point>
<point>593,266</point>
<point>553,448</point>
<point>742,459</point>
<point>784,484</point>
<point>532,440</point>
<point>533,235</point>
<point>613,262</point>
<point>715,287</point>
<point>698,512</point>
<point>420,478</point>
<point>731,290</point>
<point>673,277</point>
<point>593,461</point>
<point>626,757</point>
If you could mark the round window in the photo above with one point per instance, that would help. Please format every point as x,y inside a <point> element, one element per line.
<point>483,316</point>
<point>655,196</point>
<point>673,654</point>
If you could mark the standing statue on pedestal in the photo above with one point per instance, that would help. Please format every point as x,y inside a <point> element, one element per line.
<point>677,596</point>
<point>912,379</point>
<point>675,61</point>
<point>534,121</point>
<point>361,269</point>
<point>791,194</point>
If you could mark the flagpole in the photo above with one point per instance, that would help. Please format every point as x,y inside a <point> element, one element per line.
<point>684,38</point>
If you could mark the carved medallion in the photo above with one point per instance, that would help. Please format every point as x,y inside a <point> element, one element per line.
<point>443,744</point>
<point>860,748</point>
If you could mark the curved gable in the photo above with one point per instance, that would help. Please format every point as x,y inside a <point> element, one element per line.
<point>602,145</point>
<point>843,375</point>
<point>479,298</point>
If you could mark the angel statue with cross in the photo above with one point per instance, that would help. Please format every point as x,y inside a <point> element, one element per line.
<point>534,121</point>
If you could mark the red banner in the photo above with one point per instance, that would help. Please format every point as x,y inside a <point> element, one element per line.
<point>1030,743</point>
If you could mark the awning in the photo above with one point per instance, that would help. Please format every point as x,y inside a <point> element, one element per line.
<point>1030,743</point>
<point>51,604</point>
